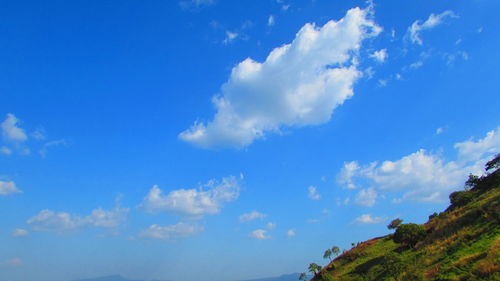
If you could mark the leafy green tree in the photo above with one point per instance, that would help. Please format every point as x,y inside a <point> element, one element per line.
<point>493,164</point>
<point>471,182</point>
<point>303,276</point>
<point>328,254</point>
<point>335,250</point>
<point>394,223</point>
<point>409,234</point>
<point>314,268</point>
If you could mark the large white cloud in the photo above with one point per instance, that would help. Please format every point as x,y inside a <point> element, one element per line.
<point>433,21</point>
<point>205,200</point>
<point>8,187</point>
<point>422,175</point>
<point>298,84</point>
<point>169,232</point>
<point>11,130</point>
<point>47,220</point>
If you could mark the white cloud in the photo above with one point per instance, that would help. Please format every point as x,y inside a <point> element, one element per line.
<point>382,83</point>
<point>8,187</point>
<point>230,37</point>
<point>299,84</point>
<point>312,193</point>
<point>452,57</point>
<point>19,233</point>
<point>471,150</point>
<point>206,200</point>
<point>348,171</point>
<point>253,215</point>
<point>47,220</point>
<point>380,55</point>
<point>47,145</point>
<point>433,21</point>
<point>416,64</point>
<point>426,176</point>
<point>11,130</point>
<point>367,197</point>
<point>368,219</point>
<point>270,20</point>
<point>291,233</point>
<point>169,232</point>
<point>259,234</point>
<point>193,4</point>
<point>5,150</point>
<point>439,131</point>
<point>271,225</point>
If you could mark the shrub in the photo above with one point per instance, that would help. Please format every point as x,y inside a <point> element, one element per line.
<point>409,234</point>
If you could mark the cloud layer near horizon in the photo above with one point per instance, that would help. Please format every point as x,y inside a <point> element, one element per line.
<point>422,175</point>
<point>298,84</point>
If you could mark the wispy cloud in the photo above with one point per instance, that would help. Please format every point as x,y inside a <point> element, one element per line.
<point>253,215</point>
<point>260,234</point>
<point>170,232</point>
<point>434,20</point>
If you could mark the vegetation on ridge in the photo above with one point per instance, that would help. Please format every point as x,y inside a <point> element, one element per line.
<point>461,243</point>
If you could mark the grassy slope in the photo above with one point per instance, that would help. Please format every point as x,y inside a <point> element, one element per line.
<point>462,243</point>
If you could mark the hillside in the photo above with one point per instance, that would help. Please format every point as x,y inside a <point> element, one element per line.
<point>461,243</point>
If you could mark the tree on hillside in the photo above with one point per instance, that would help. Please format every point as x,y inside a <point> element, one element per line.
<point>314,268</point>
<point>328,254</point>
<point>303,276</point>
<point>335,250</point>
<point>471,182</point>
<point>493,164</point>
<point>409,234</point>
<point>394,223</point>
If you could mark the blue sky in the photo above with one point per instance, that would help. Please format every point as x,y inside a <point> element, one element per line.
<point>224,140</point>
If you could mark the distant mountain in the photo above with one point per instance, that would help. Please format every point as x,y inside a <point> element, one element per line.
<point>110,278</point>
<point>284,277</point>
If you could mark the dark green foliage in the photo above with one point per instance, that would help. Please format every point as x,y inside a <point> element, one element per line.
<point>314,268</point>
<point>303,276</point>
<point>433,215</point>
<point>409,234</point>
<point>460,198</point>
<point>471,182</point>
<point>394,223</point>
<point>493,164</point>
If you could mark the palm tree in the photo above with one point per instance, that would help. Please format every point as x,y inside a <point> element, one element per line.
<point>328,254</point>
<point>303,276</point>
<point>335,250</point>
<point>314,268</point>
